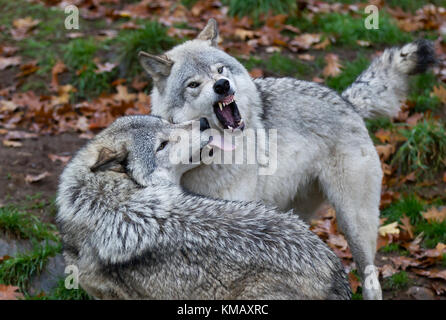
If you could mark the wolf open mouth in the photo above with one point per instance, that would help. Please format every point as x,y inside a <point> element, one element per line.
<point>228,114</point>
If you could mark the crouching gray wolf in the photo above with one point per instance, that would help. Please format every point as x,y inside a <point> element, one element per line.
<point>134,233</point>
<point>324,149</point>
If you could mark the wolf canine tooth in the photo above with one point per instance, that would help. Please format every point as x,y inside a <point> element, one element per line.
<point>220,106</point>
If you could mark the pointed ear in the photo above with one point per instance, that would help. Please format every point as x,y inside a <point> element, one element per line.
<point>110,160</point>
<point>210,32</point>
<point>158,67</point>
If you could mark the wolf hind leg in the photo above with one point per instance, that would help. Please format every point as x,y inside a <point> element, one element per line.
<point>352,184</point>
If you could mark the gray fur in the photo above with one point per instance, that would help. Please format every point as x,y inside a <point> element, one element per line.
<point>324,149</point>
<point>134,233</point>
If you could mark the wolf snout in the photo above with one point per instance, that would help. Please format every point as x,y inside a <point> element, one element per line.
<point>222,86</point>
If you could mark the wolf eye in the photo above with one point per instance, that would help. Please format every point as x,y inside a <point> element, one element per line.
<point>193,84</point>
<point>220,70</point>
<point>162,146</point>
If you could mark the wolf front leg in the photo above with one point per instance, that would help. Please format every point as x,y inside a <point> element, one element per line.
<point>352,183</point>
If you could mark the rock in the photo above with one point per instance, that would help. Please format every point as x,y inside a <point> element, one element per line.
<point>50,275</point>
<point>421,293</point>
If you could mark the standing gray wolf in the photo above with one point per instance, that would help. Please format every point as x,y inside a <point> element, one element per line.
<point>134,233</point>
<point>324,149</point>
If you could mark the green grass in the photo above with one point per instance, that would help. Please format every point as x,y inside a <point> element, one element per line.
<point>152,38</point>
<point>280,65</point>
<point>421,87</point>
<point>349,73</point>
<point>409,206</point>
<point>397,281</point>
<point>394,248</point>
<point>434,232</point>
<point>62,293</point>
<point>424,151</point>
<point>348,30</point>
<point>255,8</point>
<point>25,225</point>
<point>374,125</point>
<point>20,269</point>
<point>78,56</point>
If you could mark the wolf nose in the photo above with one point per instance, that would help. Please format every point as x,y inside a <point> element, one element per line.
<point>204,124</point>
<point>221,86</point>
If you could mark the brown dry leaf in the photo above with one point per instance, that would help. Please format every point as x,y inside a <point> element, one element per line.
<point>306,40</point>
<point>256,73</point>
<point>8,106</point>
<point>12,144</point>
<point>402,262</point>
<point>7,62</point>
<point>244,34</point>
<point>385,151</point>
<point>106,67</point>
<point>354,282</point>
<point>322,45</point>
<point>28,68</point>
<point>36,178</point>
<point>306,57</point>
<point>383,135</point>
<point>444,176</point>
<point>439,287</point>
<point>388,270</point>
<point>19,135</point>
<point>440,92</point>
<point>58,68</point>
<point>9,292</point>
<point>434,214</point>
<point>55,157</point>
<point>138,84</point>
<point>391,228</point>
<point>333,67</point>
<point>406,225</point>
<point>123,94</point>
<point>25,23</point>
<point>433,273</point>
<point>337,240</point>
<point>413,119</point>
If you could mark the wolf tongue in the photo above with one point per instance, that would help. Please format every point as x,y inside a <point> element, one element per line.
<point>219,142</point>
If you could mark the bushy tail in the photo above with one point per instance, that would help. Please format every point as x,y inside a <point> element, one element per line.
<point>383,86</point>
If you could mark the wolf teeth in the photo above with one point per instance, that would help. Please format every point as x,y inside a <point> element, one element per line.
<point>220,106</point>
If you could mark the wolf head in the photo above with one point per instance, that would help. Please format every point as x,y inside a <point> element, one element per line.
<point>139,149</point>
<point>196,79</point>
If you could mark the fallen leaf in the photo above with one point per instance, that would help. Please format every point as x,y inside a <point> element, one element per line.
<point>244,34</point>
<point>391,228</point>
<point>440,92</point>
<point>9,292</point>
<point>439,287</point>
<point>385,151</point>
<point>403,263</point>
<point>433,273</point>
<point>383,135</point>
<point>7,62</point>
<point>413,119</point>
<point>36,178</point>
<point>256,73</point>
<point>19,135</point>
<point>407,226</point>
<point>55,157</point>
<point>434,214</point>
<point>388,270</point>
<point>58,68</point>
<point>123,94</point>
<point>322,45</point>
<point>333,67</point>
<point>306,40</point>
<point>12,144</point>
<point>106,67</point>
<point>306,57</point>
<point>354,282</point>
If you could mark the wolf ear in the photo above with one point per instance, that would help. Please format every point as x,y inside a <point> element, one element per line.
<point>210,32</point>
<point>158,67</point>
<point>110,160</point>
